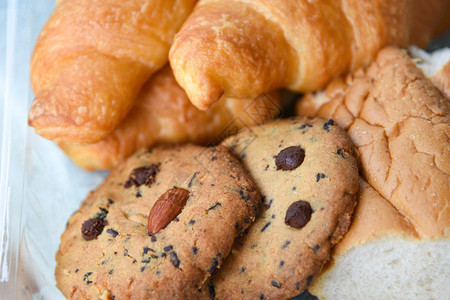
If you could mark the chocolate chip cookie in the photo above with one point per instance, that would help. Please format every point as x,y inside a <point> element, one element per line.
<point>158,226</point>
<point>308,178</point>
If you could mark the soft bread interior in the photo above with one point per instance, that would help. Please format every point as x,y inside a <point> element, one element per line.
<point>397,266</point>
<point>430,63</point>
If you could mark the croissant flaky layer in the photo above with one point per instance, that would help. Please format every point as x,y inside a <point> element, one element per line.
<point>91,60</point>
<point>162,113</point>
<point>400,125</point>
<point>243,48</point>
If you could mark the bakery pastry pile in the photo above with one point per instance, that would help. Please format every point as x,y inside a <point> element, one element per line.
<point>261,213</point>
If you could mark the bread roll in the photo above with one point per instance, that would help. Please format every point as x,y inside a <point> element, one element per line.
<point>400,124</point>
<point>398,244</point>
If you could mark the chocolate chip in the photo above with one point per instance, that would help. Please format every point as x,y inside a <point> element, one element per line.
<point>174,259</point>
<point>285,244</point>
<point>242,269</point>
<point>243,196</point>
<point>146,250</point>
<point>111,272</point>
<point>304,126</point>
<point>281,264</point>
<point>265,226</point>
<point>327,125</point>
<point>153,238</point>
<point>138,195</point>
<point>112,232</point>
<point>192,179</point>
<point>268,204</point>
<point>297,286</point>
<point>86,277</point>
<point>191,222</point>
<point>110,201</point>
<point>92,228</point>
<point>215,206</point>
<point>290,158</point>
<point>309,280</point>
<point>275,284</point>
<point>298,214</point>
<point>340,153</point>
<point>214,158</point>
<point>76,270</point>
<point>262,297</point>
<point>316,247</point>
<point>143,269</point>
<point>102,214</point>
<point>168,248</point>
<point>142,175</point>
<point>319,176</point>
<point>214,265</point>
<point>211,290</point>
<point>194,250</point>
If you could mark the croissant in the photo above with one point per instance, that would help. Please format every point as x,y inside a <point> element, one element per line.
<point>92,58</point>
<point>244,48</point>
<point>399,122</point>
<point>162,113</point>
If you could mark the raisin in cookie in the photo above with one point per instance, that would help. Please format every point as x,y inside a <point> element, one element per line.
<point>204,200</point>
<point>308,178</point>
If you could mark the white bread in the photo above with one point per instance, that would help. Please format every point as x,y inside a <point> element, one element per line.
<point>381,257</point>
<point>391,252</point>
<point>435,66</point>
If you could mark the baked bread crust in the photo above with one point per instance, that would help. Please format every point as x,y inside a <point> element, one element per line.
<point>92,58</point>
<point>243,48</point>
<point>400,124</point>
<point>162,113</point>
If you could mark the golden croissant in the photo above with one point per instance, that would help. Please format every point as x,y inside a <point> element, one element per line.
<point>92,58</point>
<point>162,113</point>
<point>244,48</point>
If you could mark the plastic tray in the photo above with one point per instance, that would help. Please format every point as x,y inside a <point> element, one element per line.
<point>39,187</point>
